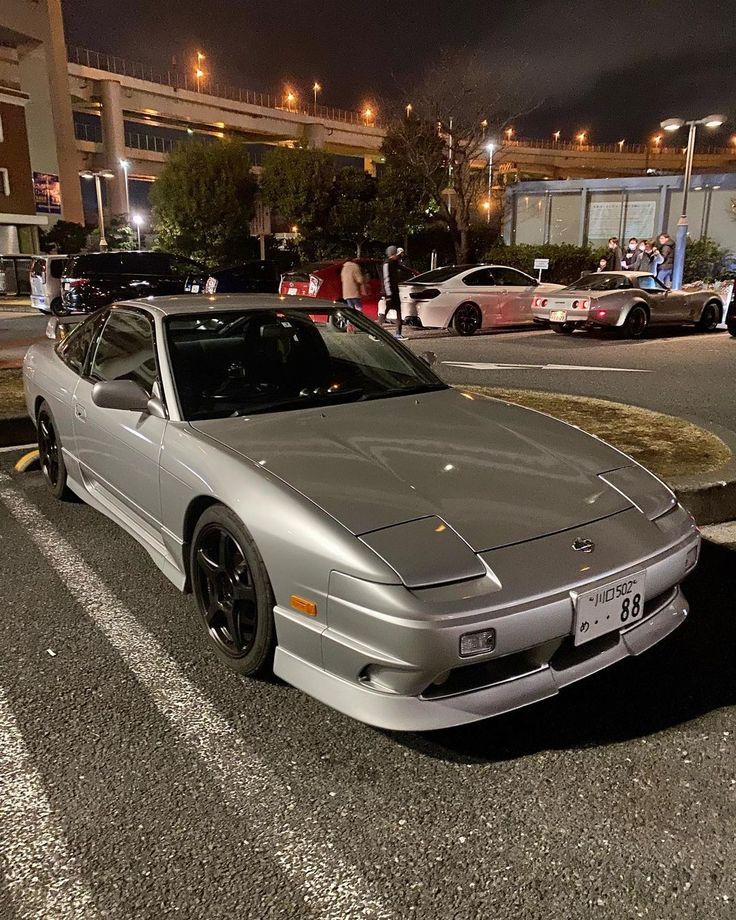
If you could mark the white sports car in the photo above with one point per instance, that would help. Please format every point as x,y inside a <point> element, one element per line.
<point>471,297</point>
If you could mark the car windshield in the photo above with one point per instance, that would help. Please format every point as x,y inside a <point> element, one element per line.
<point>239,363</point>
<point>600,282</point>
<point>438,275</point>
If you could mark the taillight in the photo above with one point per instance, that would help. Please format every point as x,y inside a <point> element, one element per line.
<point>540,301</point>
<point>601,313</point>
<point>426,294</point>
<point>77,282</point>
<point>583,304</point>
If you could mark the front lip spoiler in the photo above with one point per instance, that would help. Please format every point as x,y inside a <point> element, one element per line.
<point>412,713</point>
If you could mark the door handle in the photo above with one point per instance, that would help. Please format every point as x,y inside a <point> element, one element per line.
<point>80,412</point>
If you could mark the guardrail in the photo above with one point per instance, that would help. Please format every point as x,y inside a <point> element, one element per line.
<point>652,149</point>
<point>175,79</point>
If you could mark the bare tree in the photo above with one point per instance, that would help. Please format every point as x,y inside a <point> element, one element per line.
<point>459,108</point>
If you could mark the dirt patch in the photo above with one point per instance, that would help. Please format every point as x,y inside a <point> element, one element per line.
<point>666,445</point>
<point>12,402</point>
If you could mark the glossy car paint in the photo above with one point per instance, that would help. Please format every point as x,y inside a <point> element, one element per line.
<point>665,307</point>
<point>502,304</point>
<point>407,521</point>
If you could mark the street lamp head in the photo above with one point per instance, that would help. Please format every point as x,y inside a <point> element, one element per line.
<point>672,124</point>
<point>125,163</point>
<point>86,174</point>
<point>317,88</point>
<point>490,148</point>
<point>107,174</point>
<point>713,121</point>
<point>137,220</point>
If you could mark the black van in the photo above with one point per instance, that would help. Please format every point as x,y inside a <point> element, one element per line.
<point>95,279</point>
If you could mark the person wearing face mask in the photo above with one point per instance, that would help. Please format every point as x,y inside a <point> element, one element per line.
<point>629,259</point>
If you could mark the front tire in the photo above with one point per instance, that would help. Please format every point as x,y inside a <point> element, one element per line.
<point>233,593</point>
<point>636,322</point>
<point>709,318</point>
<point>562,328</point>
<point>50,454</point>
<point>467,319</point>
<point>58,308</point>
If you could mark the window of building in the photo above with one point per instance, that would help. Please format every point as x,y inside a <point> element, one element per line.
<point>2,135</point>
<point>4,182</point>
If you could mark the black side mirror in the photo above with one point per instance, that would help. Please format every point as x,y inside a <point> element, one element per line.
<point>429,357</point>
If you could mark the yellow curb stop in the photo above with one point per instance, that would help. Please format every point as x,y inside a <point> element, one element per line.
<point>27,462</point>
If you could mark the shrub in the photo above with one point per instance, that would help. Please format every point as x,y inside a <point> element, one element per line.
<point>567,262</point>
<point>706,260</point>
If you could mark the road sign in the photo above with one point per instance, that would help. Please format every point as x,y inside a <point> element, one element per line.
<point>541,263</point>
<point>261,223</point>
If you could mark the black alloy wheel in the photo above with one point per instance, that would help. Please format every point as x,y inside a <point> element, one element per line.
<point>58,307</point>
<point>636,322</point>
<point>709,318</point>
<point>50,455</point>
<point>232,591</point>
<point>467,319</point>
<point>563,328</point>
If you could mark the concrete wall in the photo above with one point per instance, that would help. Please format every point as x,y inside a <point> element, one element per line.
<point>592,210</point>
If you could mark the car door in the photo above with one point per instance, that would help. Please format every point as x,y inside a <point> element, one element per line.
<point>479,286</point>
<point>119,450</point>
<point>517,294</point>
<point>664,306</point>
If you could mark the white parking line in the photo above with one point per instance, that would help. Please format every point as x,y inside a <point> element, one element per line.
<point>16,447</point>
<point>481,366</point>
<point>330,885</point>
<point>40,874</point>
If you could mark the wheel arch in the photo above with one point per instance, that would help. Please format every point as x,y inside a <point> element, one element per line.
<point>638,302</point>
<point>195,509</point>
<point>717,303</point>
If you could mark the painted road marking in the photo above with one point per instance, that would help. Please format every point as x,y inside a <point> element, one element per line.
<point>481,366</point>
<point>332,887</point>
<point>39,872</point>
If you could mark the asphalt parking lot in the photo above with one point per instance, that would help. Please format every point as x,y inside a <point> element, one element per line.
<point>138,779</point>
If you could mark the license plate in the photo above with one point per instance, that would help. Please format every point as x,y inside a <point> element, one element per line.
<point>292,290</point>
<point>557,316</point>
<point>613,606</point>
<point>194,289</point>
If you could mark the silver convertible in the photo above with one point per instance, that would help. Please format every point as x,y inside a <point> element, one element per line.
<point>628,302</point>
<point>408,553</point>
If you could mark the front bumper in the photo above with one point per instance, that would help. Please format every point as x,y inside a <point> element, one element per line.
<point>390,657</point>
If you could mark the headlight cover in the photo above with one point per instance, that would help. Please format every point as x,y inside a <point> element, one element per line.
<point>642,488</point>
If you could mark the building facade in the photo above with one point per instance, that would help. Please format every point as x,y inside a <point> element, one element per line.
<point>590,211</point>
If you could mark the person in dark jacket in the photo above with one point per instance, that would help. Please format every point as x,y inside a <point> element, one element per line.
<point>667,251</point>
<point>613,256</point>
<point>390,283</point>
<point>630,257</point>
<point>648,261</point>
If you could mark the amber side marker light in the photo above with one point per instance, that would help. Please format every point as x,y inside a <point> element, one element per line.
<point>303,605</point>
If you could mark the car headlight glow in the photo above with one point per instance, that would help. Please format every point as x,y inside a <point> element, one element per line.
<point>642,488</point>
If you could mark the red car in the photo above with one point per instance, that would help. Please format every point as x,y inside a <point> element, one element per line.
<point>322,280</point>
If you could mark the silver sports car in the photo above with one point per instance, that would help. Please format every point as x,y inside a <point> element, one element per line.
<point>628,302</point>
<point>408,553</point>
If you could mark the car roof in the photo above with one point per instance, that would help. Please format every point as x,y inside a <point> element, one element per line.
<point>184,304</point>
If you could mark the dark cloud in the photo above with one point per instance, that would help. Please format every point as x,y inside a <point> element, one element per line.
<point>615,68</point>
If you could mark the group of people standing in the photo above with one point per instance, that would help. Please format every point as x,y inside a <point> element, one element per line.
<point>657,257</point>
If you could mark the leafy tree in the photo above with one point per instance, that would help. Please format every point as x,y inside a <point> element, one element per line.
<point>353,207</point>
<point>118,234</point>
<point>204,200</point>
<point>65,236</point>
<point>405,203</point>
<point>298,184</point>
<point>705,260</point>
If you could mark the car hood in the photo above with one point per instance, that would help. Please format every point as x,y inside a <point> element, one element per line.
<point>495,473</point>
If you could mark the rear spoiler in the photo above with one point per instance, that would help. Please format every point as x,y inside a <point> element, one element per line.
<point>59,327</point>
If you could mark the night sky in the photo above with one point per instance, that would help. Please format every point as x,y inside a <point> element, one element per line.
<point>614,69</point>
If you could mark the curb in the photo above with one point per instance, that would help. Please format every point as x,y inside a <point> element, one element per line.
<point>710,497</point>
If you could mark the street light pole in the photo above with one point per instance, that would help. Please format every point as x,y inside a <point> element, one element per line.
<point>490,149</point>
<point>674,124</point>
<point>126,166</point>
<point>97,175</point>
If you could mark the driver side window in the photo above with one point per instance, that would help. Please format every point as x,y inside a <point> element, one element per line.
<point>126,350</point>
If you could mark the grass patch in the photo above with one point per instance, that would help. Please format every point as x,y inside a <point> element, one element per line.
<point>666,445</point>
<point>12,402</point>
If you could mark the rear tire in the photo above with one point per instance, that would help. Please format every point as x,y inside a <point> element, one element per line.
<point>233,593</point>
<point>57,307</point>
<point>709,318</point>
<point>562,328</point>
<point>636,322</point>
<point>467,319</point>
<point>50,454</point>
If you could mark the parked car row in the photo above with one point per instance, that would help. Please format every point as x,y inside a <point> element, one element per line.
<point>465,298</point>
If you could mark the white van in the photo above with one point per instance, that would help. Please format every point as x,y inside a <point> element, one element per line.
<point>46,272</point>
